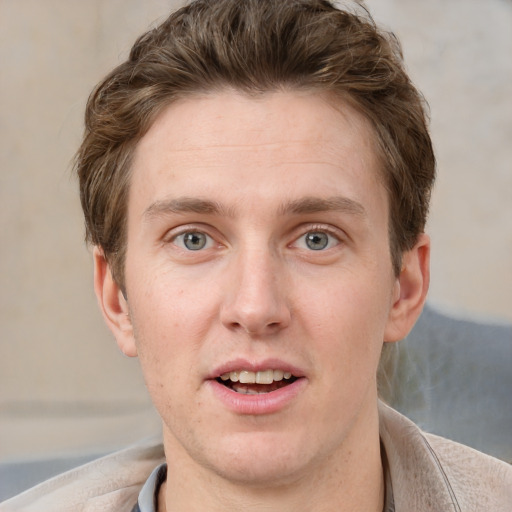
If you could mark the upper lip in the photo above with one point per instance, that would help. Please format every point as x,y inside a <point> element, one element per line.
<point>255,366</point>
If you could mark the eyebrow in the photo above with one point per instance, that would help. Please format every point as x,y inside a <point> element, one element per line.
<point>307,205</point>
<point>186,205</point>
<point>302,206</point>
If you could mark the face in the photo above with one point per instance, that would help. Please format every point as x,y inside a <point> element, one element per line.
<point>259,281</point>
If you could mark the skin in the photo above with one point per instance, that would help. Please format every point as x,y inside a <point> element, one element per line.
<point>258,291</point>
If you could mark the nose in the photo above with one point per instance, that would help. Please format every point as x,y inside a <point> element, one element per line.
<point>255,301</point>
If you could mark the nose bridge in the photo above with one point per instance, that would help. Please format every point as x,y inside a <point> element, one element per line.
<point>256,301</point>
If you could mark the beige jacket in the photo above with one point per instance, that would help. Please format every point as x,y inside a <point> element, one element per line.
<point>428,474</point>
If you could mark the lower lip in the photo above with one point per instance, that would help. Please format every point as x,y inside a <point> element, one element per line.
<point>266,403</point>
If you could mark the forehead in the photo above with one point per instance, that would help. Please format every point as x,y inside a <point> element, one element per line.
<point>304,112</point>
<point>289,138</point>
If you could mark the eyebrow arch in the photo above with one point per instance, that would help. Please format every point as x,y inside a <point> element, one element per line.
<point>185,205</point>
<point>316,205</point>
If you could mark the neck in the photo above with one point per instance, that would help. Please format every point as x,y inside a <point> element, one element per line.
<point>349,479</point>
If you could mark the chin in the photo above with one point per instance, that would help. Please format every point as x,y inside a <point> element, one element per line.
<point>261,460</point>
<point>262,474</point>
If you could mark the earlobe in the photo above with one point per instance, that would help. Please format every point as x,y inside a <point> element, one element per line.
<point>113,304</point>
<point>410,290</point>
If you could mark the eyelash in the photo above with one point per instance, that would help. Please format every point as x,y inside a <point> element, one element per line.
<point>186,231</point>
<point>333,234</point>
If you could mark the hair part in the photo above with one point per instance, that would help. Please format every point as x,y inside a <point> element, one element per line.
<point>256,46</point>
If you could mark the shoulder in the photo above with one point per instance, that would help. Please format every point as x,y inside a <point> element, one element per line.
<point>430,473</point>
<point>475,478</point>
<point>110,483</point>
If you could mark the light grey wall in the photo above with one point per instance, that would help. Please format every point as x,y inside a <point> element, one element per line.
<point>459,54</point>
<point>64,387</point>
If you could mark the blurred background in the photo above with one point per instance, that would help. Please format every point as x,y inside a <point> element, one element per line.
<point>64,386</point>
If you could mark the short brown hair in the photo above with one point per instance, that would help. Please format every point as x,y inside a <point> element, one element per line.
<point>255,46</point>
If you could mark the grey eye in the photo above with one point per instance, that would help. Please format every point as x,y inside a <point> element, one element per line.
<point>194,241</point>
<point>316,240</point>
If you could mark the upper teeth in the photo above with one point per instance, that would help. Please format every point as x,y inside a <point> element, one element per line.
<point>264,377</point>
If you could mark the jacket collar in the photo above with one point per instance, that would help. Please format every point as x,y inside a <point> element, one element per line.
<point>417,477</point>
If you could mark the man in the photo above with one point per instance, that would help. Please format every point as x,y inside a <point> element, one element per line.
<point>255,180</point>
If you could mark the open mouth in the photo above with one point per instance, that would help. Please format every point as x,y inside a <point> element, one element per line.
<point>256,383</point>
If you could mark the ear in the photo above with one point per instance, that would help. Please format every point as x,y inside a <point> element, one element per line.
<point>410,290</point>
<point>113,305</point>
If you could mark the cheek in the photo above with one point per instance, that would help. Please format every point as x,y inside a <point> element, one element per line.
<point>171,320</point>
<point>348,318</point>
<point>169,307</point>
